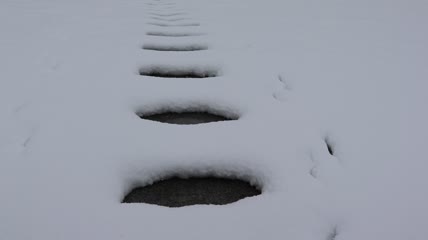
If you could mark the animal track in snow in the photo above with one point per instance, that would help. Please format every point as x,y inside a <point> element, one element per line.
<point>27,142</point>
<point>324,158</point>
<point>21,107</point>
<point>286,85</point>
<point>330,146</point>
<point>314,170</point>
<point>280,94</point>
<point>333,234</point>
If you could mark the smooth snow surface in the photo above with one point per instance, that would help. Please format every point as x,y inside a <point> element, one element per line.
<point>300,74</point>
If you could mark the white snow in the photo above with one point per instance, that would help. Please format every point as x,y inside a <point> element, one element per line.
<point>298,73</point>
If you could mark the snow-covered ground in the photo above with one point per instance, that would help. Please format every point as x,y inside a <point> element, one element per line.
<point>300,74</point>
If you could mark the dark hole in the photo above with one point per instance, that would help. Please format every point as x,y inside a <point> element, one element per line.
<point>173,72</point>
<point>184,118</point>
<point>177,192</point>
<point>176,48</point>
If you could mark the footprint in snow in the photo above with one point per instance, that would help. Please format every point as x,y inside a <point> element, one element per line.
<point>281,93</point>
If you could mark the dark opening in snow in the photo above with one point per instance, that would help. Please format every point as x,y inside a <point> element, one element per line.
<point>176,48</point>
<point>185,118</point>
<point>178,72</point>
<point>178,192</point>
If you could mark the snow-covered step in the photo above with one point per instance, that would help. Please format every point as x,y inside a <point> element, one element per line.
<point>175,33</point>
<point>187,116</point>
<point>184,47</point>
<point>183,71</point>
<point>180,192</point>
<point>184,118</point>
<point>159,43</point>
<point>170,20</point>
<point>161,24</point>
<point>172,14</point>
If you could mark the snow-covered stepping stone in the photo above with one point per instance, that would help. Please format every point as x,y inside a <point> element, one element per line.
<point>185,118</point>
<point>169,14</point>
<point>173,34</point>
<point>158,24</point>
<point>170,19</point>
<point>168,71</point>
<point>175,47</point>
<point>179,192</point>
